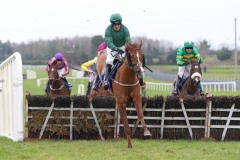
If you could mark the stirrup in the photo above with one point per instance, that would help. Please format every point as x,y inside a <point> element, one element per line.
<point>106,85</point>
<point>175,92</point>
<point>201,93</point>
<point>95,88</point>
<point>69,86</point>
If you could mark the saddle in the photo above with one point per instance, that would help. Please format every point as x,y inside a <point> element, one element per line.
<point>115,67</point>
<point>183,80</point>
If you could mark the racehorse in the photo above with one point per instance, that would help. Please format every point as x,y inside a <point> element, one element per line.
<point>56,83</point>
<point>126,85</point>
<point>191,85</point>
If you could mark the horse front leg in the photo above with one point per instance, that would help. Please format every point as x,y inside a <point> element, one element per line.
<point>123,116</point>
<point>138,105</point>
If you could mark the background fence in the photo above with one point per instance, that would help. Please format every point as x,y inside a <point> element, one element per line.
<point>207,86</point>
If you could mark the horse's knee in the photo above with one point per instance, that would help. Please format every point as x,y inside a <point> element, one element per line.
<point>140,115</point>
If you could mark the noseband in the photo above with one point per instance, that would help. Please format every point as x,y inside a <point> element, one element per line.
<point>196,75</point>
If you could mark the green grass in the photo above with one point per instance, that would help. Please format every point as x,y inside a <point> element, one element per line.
<point>117,149</point>
<point>31,85</point>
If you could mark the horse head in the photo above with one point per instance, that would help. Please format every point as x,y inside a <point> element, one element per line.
<point>195,73</point>
<point>53,74</point>
<point>135,59</point>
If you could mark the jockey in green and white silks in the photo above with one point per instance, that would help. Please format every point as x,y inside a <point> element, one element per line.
<point>116,36</point>
<point>186,54</point>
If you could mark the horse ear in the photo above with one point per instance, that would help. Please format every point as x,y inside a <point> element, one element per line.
<point>140,45</point>
<point>127,46</point>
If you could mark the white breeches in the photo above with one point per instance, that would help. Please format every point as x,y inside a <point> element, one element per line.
<point>61,71</point>
<point>92,76</point>
<point>111,55</point>
<point>182,70</point>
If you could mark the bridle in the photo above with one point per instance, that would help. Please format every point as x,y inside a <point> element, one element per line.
<point>137,68</point>
<point>196,76</point>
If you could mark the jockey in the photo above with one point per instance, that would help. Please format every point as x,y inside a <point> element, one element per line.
<point>90,67</point>
<point>63,69</point>
<point>186,54</point>
<point>116,35</point>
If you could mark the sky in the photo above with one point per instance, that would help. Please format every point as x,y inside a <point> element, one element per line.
<point>171,20</point>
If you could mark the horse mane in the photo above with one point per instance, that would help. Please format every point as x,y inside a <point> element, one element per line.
<point>130,45</point>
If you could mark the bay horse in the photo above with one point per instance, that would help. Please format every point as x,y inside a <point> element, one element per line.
<point>191,85</point>
<point>126,85</point>
<point>57,86</point>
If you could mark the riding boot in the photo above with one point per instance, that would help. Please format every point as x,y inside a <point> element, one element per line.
<point>96,83</point>
<point>68,85</point>
<point>106,84</point>
<point>88,88</point>
<point>47,89</point>
<point>200,90</point>
<point>176,87</point>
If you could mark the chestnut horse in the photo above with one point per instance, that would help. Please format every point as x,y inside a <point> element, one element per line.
<point>101,91</point>
<point>125,85</point>
<point>56,83</point>
<point>190,87</point>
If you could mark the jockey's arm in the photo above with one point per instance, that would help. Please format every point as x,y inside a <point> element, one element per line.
<point>50,63</point>
<point>85,66</point>
<point>109,39</point>
<point>66,67</point>
<point>196,54</point>
<point>179,57</point>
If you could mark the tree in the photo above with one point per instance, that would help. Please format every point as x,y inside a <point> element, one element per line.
<point>95,42</point>
<point>224,54</point>
<point>171,57</point>
<point>203,48</point>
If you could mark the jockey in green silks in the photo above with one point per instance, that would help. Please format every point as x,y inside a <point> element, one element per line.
<point>186,54</point>
<point>116,36</point>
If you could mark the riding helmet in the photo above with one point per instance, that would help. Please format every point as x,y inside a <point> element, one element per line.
<point>188,44</point>
<point>58,56</point>
<point>116,18</point>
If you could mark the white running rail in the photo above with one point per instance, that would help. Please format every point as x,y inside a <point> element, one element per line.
<point>207,86</point>
<point>11,98</point>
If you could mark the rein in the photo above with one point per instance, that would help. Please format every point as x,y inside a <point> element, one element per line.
<point>56,88</point>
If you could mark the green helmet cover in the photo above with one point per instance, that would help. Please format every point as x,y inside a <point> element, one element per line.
<point>188,44</point>
<point>115,17</point>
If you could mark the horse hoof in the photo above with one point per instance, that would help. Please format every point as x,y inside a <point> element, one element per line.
<point>147,133</point>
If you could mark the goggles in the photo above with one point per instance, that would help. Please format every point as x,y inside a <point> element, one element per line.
<point>116,23</point>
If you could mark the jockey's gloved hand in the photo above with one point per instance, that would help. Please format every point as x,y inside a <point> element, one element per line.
<point>120,51</point>
<point>61,75</point>
<point>185,63</point>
